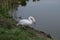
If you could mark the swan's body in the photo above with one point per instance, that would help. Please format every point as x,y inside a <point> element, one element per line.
<point>28,21</point>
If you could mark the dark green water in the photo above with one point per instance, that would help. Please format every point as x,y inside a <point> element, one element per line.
<point>46,12</point>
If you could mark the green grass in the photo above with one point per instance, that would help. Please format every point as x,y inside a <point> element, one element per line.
<point>17,34</point>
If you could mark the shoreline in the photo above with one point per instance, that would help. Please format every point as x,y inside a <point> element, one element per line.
<point>38,32</point>
<point>11,25</point>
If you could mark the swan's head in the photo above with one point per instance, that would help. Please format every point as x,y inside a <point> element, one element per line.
<point>32,19</point>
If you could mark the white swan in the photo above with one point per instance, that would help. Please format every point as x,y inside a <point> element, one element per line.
<point>28,21</point>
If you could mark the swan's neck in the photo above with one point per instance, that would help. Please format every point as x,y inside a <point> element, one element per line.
<point>30,20</point>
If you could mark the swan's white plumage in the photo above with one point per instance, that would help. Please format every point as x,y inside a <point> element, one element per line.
<point>28,21</point>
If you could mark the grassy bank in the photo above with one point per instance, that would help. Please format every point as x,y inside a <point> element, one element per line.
<point>18,34</point>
